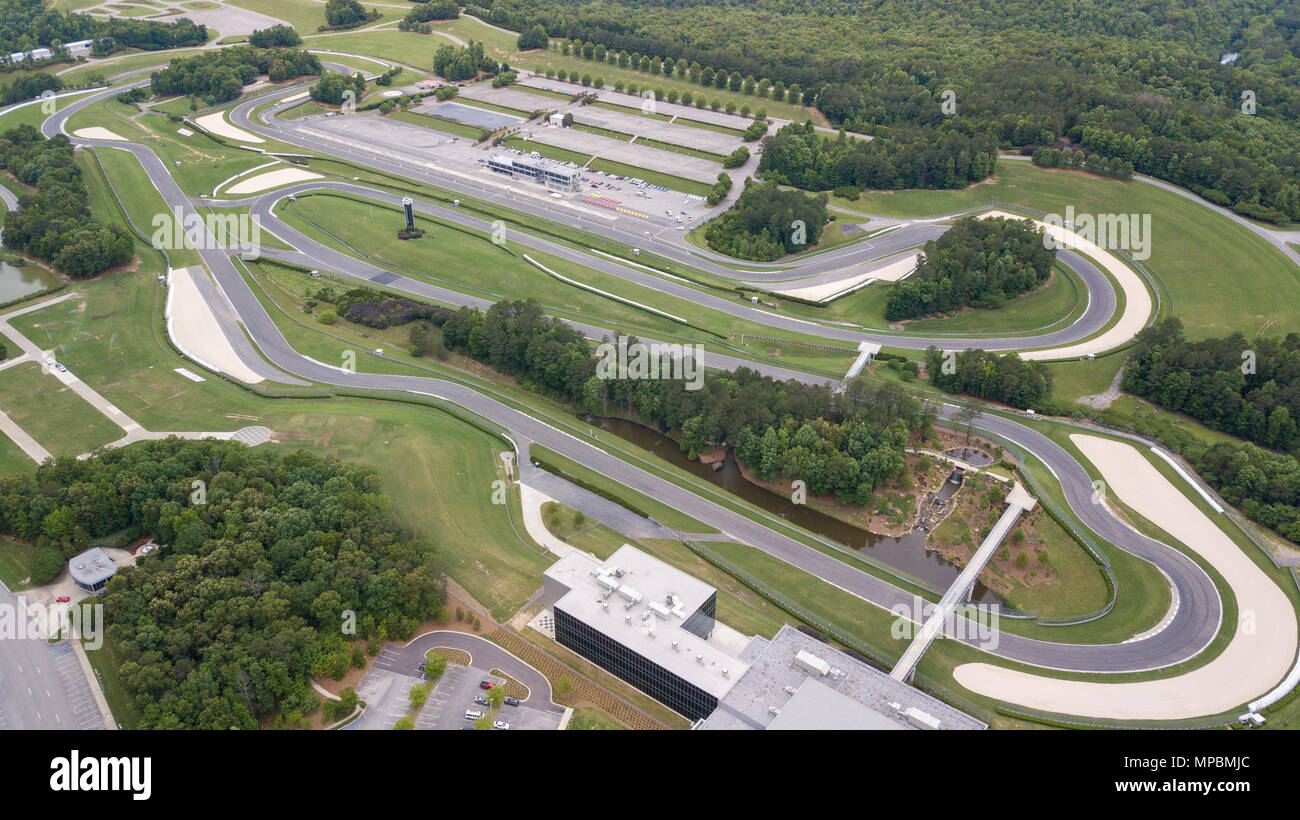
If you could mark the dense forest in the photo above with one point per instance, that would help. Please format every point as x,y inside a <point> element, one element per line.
<point>220,76</point>
<point>53,222</point>
<point>906,158</point>
<point>976,263</point>
<point>1249,389</point>
<point>251,592</point>
<point>767,223</point>
<point>837,443</point>
<point>1005,377</point>
<point>1142,82</point>
<point>27,24</point>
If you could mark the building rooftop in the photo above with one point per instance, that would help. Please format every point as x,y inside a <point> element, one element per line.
<point>91,567</point>
<point>642,603</point>
<point>795,681</point>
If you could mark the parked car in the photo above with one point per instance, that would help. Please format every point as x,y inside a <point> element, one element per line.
<point>511,701</point>
<point>500,724</point>
<point>480,700</point>
<point>485,684</point>
<point>473,714</point>
<point>63,599</point>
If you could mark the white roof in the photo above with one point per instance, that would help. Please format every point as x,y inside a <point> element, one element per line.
<point>624,613</point>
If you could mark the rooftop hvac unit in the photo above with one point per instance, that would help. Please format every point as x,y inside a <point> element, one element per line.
<point>725,673</point>
<point>671,599</point>
<point>629,593</point>
<point>919,719</point>
<point>607,582</point>
<point>772,710</point>
<point>789,690</point>
<point>811,664</point>
<point>699,659</point>
<point>675,649</point>
<point>658,609</point>
<point>627,619</point>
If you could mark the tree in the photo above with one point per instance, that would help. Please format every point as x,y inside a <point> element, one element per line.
<point>967,414</point>
<point>418,695</point>
<point>435,664</point>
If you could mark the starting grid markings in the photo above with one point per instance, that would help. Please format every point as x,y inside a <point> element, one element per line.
<point>80,698</point>
<point>588,200</point>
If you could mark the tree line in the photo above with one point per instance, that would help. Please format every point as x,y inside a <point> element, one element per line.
<point>1004,377</point>
<point>220,75</point>
<point>260,581</point>
<point>53,220</point>
<point>1250,389</point>
<point>904,158</point>
<point>762,417</point>
<point>976,263</point>
<point>27,24</point>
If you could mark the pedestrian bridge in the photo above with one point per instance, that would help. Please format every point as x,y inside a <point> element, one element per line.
<point>1018,501</point>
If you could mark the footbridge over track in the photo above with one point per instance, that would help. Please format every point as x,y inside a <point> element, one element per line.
<point>1018,501</point>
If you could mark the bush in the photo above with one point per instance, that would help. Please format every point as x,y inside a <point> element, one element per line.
<point>736,158</point>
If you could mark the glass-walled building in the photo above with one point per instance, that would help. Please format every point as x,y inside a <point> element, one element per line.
<point>645,621</point>
<point>546,172</point>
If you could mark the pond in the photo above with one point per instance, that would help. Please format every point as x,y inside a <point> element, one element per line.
<point>907,553</point>
<point>17,281</point>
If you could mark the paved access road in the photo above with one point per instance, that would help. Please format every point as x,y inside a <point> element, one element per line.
<point>1190,631</point>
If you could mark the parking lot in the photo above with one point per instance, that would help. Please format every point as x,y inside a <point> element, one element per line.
<point>649,127</point>
<point>387,683</point>
<point>628,153</point>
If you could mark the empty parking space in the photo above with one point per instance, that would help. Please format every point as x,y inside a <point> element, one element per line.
<point>511,98</point>
<point>80,699</point>
<point>654,159</point>
<point>649,127</point>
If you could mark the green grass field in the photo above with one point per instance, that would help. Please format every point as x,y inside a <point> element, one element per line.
<point>60,420</point>
<point>16,563</point>
<point>1212,290</point>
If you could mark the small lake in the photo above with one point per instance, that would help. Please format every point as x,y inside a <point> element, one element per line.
<point>907,553</point>
<point>17,281</point>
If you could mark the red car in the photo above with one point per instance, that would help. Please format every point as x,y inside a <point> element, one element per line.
<point>63,599</point>
<point>485,684</point>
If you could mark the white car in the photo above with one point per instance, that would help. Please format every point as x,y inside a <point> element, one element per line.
<point>500,724</point>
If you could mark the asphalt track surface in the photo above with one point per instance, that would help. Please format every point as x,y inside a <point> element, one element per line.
<point>1189,631</point>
